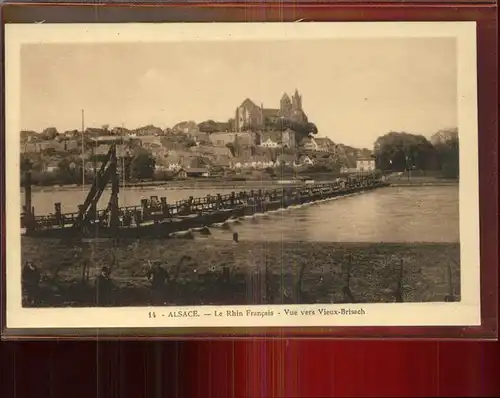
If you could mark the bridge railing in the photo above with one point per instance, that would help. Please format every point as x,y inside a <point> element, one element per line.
<point>157,209</point>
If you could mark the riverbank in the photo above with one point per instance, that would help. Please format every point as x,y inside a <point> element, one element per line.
<point>421,181</point>
<point>210,183</point>
<point>423,184</point>
<point>179,185</point>
<point>374,269</point>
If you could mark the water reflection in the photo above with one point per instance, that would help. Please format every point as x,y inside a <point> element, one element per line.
<point>43,201</point>
<point>420,214</point>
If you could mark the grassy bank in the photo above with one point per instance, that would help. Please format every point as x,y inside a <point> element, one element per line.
<point>422,178</point>
<point>259,273</point>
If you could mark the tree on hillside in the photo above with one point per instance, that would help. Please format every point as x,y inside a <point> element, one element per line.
<point>301,130</point>
<point>399,151</point>
<point>442,136</point>
<point>311,128</point>
<point>31,162</point>
<point>49,133</point>
<point>26,163</point>
<point>25,135</point>
<point>148,130</point>
<point>199,162</point>
<point>49,152</point>
<point>208,126</point>
<point>70,170</point>
<point>93,132</point>
<point>446,144</point>
<point>127,166</point>
<point>142,165</point>
<point>70,163</point>
<point>183,127</point>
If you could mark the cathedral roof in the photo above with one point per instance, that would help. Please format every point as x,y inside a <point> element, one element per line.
<point>223,126</point>
<point>270,112</point>
<point>249,103</point>
<point>285,97</point>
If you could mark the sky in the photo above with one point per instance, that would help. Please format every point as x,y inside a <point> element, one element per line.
<point>354,90</point>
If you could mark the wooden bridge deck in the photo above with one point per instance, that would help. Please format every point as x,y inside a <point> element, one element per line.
<point>156,209</point>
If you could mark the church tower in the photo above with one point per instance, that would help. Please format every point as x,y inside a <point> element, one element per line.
<point>285,105</point>
<point>297,101</point>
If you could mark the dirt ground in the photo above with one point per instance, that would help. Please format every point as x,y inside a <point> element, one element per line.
<point>258,272</point>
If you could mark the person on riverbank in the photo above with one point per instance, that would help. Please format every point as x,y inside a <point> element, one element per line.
<point>158,276</point>
<point>127,218</point>
<point>31,279</point>
<point>104,288</point>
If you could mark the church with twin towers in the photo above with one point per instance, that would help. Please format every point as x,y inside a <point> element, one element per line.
<point>251,115</point>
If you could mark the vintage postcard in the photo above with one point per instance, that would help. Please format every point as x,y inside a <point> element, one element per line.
<point>242,175</point>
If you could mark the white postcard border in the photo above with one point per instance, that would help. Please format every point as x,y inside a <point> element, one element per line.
<point>464,313</point>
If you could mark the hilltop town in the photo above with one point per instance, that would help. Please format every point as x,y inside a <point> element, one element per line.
<point>257,143</point>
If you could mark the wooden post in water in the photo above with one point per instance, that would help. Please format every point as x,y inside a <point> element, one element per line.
<point>27,191</point>
<point>164,205</point>
<point>28,210</point>
<point>115,189</point>
<point>82,224</point>
<point>58,213</point>
<point>144,208</point>
<point>93,211</point>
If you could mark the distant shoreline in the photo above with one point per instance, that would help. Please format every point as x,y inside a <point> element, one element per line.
<point>422,182</point>
<point>425,184</point>
<point>170,185</point>
<point>203,184</point>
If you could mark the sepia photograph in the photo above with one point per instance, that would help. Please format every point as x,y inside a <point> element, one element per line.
<point>292,175</point>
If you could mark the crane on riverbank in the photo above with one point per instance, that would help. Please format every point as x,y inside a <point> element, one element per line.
<point>107,173</point>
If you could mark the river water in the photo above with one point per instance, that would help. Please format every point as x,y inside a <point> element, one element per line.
<point>393,214</point>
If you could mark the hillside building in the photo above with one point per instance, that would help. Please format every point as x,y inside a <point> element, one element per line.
<point>224,138</point>
<point>365,164</point>
<point>251,116</point>
<point>309,144</point>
